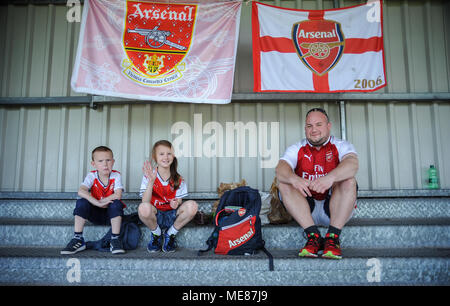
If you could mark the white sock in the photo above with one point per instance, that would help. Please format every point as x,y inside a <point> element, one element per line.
<point>172,231</point>
<point>157,231</point>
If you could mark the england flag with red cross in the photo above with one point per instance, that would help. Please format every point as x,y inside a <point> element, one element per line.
<point>335,50</point>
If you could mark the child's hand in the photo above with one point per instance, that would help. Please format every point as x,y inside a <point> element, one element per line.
<point>149,172</point>
<point>100,203</point>
<point>104,202</point>
<point>174,203</point>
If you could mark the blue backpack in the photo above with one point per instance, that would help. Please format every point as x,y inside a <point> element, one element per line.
<point>130,234</point>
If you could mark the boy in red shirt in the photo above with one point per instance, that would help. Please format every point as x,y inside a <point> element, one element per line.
<point>100,203</point>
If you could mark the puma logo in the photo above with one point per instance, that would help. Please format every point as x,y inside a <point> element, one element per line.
<point>308,157</point>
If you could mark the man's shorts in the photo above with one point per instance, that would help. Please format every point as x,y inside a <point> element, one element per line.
<point>320,209</point>
<point>98,215</point>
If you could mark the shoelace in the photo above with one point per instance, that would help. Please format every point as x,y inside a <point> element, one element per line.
<point>155,241</point>
<point>116,243</point>
<point>313,240</point>
<point>172,241</point>
<point>332,241</point>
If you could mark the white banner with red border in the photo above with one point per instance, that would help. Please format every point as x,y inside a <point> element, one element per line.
<point>335,50</point>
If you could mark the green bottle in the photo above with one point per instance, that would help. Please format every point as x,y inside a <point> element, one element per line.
<point>432,178</point>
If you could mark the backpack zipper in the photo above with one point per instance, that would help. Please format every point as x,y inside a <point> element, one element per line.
<point>236,224</point>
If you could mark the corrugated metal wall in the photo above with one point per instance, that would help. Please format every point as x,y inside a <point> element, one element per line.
<point>397,142</point>
<point>47,148</point>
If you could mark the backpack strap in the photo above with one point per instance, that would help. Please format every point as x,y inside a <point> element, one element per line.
<point>210,246</point>
<point>212,240</point>
<point>271,268</point>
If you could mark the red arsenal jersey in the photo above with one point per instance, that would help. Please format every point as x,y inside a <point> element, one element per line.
<point>310,163</point>
<point>163,192</point>
<point>98,189</point>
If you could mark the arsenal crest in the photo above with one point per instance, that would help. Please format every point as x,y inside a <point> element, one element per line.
<point>241,211</point>
<point>329,156</point>
<point>319,44</point>
<point>156,39</point>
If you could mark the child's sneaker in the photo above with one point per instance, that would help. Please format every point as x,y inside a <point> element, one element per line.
<point>115,246</point>
<point>169,243</point>
<point>75,245</point>
<point>155,243</point>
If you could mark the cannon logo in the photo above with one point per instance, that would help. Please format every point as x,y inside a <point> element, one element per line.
<point>157,37</point>
<point>241,211</point>
<point>319,44</point>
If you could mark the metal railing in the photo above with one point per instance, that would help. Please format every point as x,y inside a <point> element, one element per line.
<point>93,100</point>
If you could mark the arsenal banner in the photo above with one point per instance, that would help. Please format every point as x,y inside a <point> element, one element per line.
<point>336,50</point>
<point>182,51</point>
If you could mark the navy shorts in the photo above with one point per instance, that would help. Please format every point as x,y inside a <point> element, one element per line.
<point>97,215</point>
<point>166,219</point>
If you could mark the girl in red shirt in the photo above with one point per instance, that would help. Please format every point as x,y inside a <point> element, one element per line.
<point>162,189</point>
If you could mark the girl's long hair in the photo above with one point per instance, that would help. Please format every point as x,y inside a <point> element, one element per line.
<point>175,177</point>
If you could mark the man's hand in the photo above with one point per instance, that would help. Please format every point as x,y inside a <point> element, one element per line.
<point>321,184</point>
<point>302,185</point>
<point>286,175</point>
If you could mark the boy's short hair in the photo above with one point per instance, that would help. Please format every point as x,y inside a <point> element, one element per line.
<point>101,149</point>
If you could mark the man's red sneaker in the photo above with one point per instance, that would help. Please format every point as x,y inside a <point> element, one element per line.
<point>312,247</point>
<point>332,248</point>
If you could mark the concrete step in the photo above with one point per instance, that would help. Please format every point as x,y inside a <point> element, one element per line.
<point>44,266</point>
<point>359,233</point>
<point>62,209</point>
<point>403,235</point>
